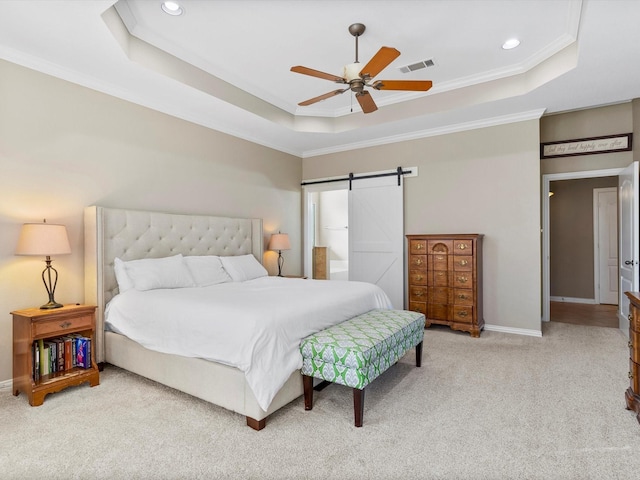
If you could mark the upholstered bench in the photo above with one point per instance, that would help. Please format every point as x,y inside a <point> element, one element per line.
<point>356,351</point>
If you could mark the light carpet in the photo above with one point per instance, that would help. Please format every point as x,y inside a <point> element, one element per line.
<point>501,406</point>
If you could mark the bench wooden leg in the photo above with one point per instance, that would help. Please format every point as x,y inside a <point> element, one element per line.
<point>419,355</point>
<point>358,406</point>
<point>307,382</point>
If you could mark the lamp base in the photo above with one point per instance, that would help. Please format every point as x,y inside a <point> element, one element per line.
<point>51,304</point>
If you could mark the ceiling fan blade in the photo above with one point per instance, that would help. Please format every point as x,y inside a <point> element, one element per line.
<point>317,73</point>
<point>366,102</point>
<point>414,85</point>
<point>322,97</point>
<point>380,60</point>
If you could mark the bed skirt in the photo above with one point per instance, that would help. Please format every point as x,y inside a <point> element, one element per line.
<point>210,381</point>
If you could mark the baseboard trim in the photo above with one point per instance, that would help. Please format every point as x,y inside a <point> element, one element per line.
<point>516,331</point>
<point>591,301</point>
<point>6,384</point>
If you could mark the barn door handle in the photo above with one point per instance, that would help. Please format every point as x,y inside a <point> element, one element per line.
<point>628,262</point>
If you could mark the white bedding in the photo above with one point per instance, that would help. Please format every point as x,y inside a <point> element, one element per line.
<point>254,325</point>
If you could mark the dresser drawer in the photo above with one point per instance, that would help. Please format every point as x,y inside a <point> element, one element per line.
<point>439,278</point>
<point>418,247</point>
<point>463,247</point>
<point>634,345</point>
<point>439,261</point>
<point>417,294</point>
<point>417,277</point>
<point>463,296</point>
<point>440,246</point>
<point>439,295</point>
<point>463,314</point>
<point>437,311</point>
<point>462,279</point>
<point>420,307</point>
<point>418,262</point>
<point>634,377</point>
<point>463,263</point>
<point>62,325</point>
<point>634,319</point>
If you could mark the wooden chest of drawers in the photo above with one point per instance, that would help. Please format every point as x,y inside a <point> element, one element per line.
<point>632,395</point>
<point>445,280</point>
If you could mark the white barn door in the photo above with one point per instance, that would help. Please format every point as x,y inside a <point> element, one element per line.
<point>376,234</point>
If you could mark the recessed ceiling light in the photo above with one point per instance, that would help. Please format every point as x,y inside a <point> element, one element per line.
<point>172,8</point>
<point>511,43</point>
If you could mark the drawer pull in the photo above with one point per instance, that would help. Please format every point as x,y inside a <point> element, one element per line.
<point>629,344</point>
<point>418,293</point>
<point>440,274</point>
<point>461,246</point>
<point>462,279</point>
<point>463,263</point>
<point>419,246</point>
<point>439,257</point>
<point>418,261</point>
<point>65,324</point>
<point>463,313</point>
<point>630,375</point>
<point>418,278</point>
<point>462,296</point>
<point>630,317</point>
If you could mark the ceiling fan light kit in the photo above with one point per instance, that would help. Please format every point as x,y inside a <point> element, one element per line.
<point>357,78</point>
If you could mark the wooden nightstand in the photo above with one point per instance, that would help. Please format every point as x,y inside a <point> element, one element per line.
<point>33,324</point>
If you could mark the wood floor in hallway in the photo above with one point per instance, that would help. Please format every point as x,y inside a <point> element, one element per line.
<point>584,314</point>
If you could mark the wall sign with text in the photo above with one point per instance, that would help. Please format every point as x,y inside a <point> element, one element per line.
<point>587,146</point>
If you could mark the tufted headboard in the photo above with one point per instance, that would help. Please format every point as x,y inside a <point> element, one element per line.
<point>135,234</point>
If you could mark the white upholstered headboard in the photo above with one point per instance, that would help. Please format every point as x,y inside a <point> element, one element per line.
<point>135,234</point>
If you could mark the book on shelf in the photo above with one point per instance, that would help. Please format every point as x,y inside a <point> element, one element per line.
<point>44,358</point>
<point>68,356</point>
<point>82,352</point>
<point>36,361</point>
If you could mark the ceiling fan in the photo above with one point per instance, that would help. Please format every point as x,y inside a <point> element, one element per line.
<point>357,78</point>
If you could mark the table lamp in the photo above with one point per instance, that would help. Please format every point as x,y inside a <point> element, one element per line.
<point>279,241</point>
<point>45,239</point>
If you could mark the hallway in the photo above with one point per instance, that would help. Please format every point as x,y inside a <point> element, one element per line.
<point>584,314</point>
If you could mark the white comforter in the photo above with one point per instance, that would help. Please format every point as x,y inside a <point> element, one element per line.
<point>255,325</point>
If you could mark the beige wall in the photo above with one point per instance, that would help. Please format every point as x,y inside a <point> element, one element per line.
<point>63,147</point>
<point>594,122</point>
<point>480,181</point>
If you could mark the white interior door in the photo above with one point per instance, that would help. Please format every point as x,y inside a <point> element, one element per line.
<point>628,256</point>
<point>606,245</point>
<point>376,235</point>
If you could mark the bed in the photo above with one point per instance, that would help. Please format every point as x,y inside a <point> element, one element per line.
<point>129,235</point>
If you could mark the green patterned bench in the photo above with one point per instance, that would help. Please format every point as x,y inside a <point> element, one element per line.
<point>355,352</point>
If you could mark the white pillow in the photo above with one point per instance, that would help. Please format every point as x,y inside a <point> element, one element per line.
<point>124,282</point>
<point>243,267</point>
<point>207,270</point>
<point>153,273</point>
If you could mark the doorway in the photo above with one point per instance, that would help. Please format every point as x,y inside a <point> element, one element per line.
<point>546,237</point>
<point>331,227</point>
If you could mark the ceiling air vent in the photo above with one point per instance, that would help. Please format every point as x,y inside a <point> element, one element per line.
<point>417,66</point>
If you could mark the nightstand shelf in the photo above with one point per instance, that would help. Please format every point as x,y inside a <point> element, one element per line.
<point>33,324</point>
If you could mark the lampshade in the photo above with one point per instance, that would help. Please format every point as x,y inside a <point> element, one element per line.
<point>43,239</point>
<point>279,241</point>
